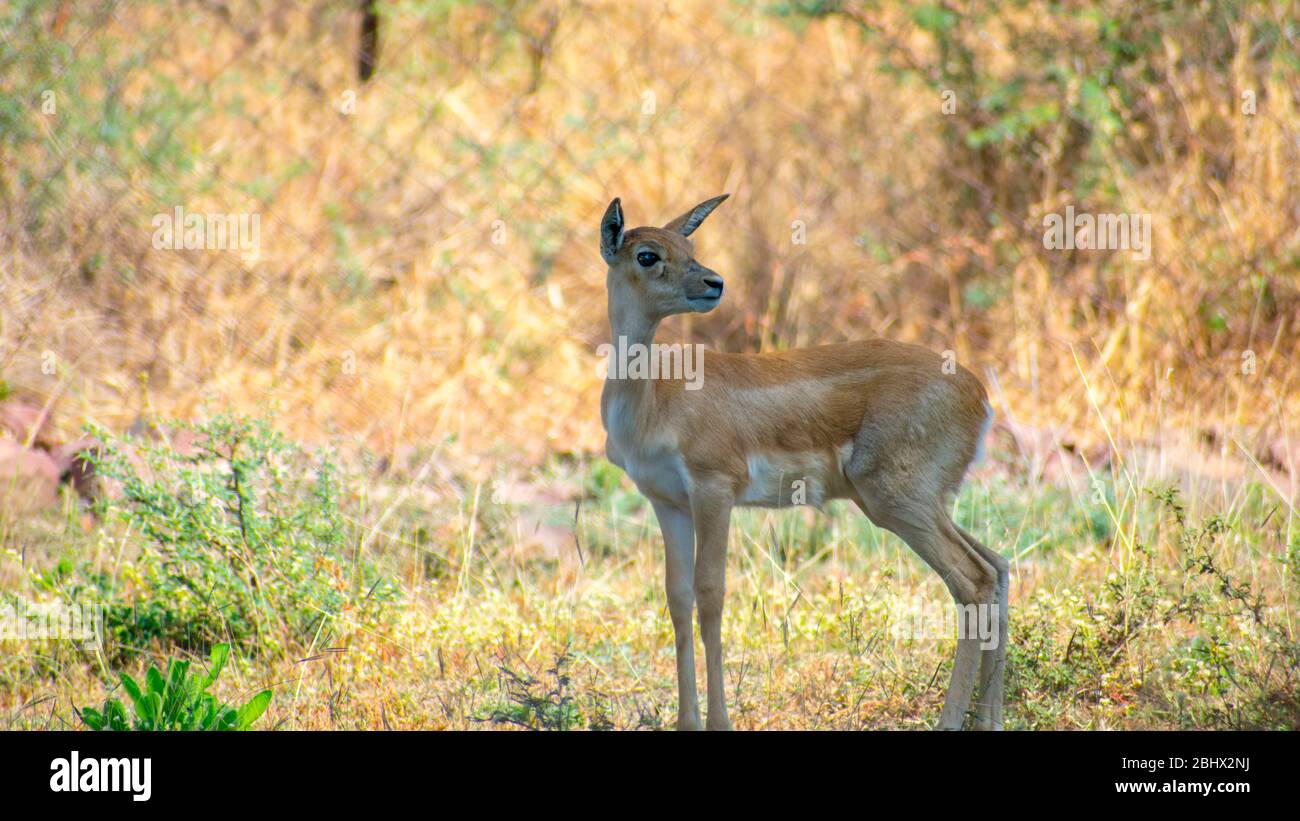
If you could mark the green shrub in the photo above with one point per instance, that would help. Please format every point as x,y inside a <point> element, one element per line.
<point>240,539</point>
<point>1202,680</point>
<point>178,701</point>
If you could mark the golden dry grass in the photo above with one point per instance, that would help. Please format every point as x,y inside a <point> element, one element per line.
<point>829,624</point>
<point>378,226</point>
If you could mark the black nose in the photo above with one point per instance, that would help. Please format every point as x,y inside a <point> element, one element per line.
<point>714,281</point>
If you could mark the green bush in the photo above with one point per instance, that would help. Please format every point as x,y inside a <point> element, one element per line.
<point>1191,593</point>
<point>240,538</point>
<point>178,701</point>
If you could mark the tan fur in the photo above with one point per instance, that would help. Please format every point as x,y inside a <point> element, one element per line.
<point>881,423</point>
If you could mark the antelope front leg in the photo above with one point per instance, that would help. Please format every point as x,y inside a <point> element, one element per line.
<point>679,582</point>
<point>711,509</point>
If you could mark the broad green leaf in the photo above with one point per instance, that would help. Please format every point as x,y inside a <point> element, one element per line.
<point>217,659</point>
<point>227,719</point>
<point>92,718</point>
<point>154,682</point>
<point>251,711</point>
<point>116,715</point>
<point>175,693</point>
<point>133,690</point>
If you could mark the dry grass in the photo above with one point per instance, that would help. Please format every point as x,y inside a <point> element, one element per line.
<point>377,226</point>
<point>830,623</point>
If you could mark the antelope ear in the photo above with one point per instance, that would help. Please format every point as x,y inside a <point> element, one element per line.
<point>611,231</point>
<point>688,222</point>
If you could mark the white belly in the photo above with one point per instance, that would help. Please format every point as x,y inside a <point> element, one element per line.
<point>794,479</point>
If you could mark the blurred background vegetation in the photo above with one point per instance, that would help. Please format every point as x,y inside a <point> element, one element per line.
<point>428,264</point>
<point>429,297</point>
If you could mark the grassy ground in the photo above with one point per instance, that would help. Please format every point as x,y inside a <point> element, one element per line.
<point>1131,608</point>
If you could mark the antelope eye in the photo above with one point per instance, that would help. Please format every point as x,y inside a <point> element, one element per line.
<point>647,258</point>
